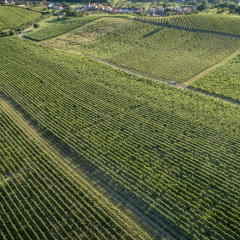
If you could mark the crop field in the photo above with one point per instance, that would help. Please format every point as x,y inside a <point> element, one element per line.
<point>59,26</point>
<point>42,198</point>
<point>172,153</point>
<point>15,17</point>
<point>155,51</point>
<point>212,23</point>
<point>223,81</point>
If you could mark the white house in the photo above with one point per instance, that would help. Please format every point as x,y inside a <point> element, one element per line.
<point>108,9</point>
<point>178,9</point>
<point>152,10</point>
<point>94,6</point>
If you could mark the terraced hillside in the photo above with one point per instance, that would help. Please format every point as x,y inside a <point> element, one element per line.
<point>159,52</point>
<point>223,81</point>
<point>172,154</point>
<point>15,17</point>
<point>42,198</point>
<point>219,23</point>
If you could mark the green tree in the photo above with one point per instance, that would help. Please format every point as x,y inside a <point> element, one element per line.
<point>36,25</point>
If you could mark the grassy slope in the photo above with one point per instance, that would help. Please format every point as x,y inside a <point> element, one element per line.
<point>223,81</point>
<point>42,198</point>
<point>155,51</point>
<point>172,153</point>
<point>14,17</point>
<point>59,26</point>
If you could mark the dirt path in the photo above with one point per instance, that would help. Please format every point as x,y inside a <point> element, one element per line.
<point>53,152</point>
<point>99,60</point>
<point>182,86</point>
<point>206,71</point>
<point>22,33</point>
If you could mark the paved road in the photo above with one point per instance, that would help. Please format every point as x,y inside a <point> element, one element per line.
<point>22,33</point>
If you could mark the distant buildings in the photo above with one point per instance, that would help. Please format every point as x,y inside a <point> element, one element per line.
<point>101,7</point>
<point>174,10</point>
<point>108,9</point>
<point>152,11</point>
<point>8,1</point>
<point>57,7</point>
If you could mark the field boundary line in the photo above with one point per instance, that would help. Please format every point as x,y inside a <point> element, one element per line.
<point>188,29</point>
<point>209,69</point>
<point>165,81</point>
<point>93,58</point>
<point>181,86</point>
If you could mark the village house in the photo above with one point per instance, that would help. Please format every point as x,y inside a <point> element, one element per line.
<point>80,9</point>
<point>57,7</point>
<point>178,9</point>
<point>120,10</point>
<point>193,8</point>
<point>51,5</point>
<point>136,10</point>
<point>94,6</point>
<point>87,6</point>
<point>9,2</point>
<point>108,9</point>
<point>152,10</point>
<point>170,9</point>
<point>115,10</point>
<point>101,7</point>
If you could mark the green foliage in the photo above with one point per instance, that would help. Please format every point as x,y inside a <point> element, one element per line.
<point>172,153</point>
<point>237,9</point>
<point>211,23</point>
<point>43,198</point>
<point>160,52</point>
<point>15,17</point>
<point>58,27</point>
<point>223,81</point>
<point>36,25</point>
<point>71,13</point>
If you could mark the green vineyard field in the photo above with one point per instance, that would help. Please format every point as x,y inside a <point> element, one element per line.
<point>58,26</point>
<point>155,51</point>
<point>223,81</point>
<point>211,23</point>
<point>15,17</point>
<point>42,198</point>
<point>172,153</point>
